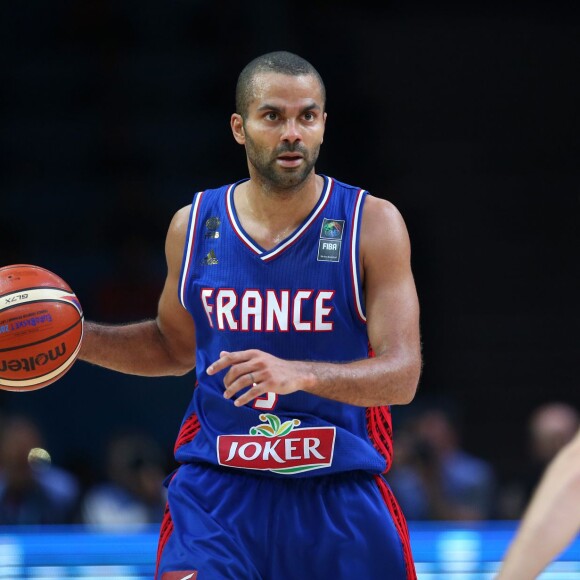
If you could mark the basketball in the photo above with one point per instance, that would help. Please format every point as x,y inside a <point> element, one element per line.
<point>41,327</point>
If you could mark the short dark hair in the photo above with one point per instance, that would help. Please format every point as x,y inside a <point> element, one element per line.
<point>281,61</point>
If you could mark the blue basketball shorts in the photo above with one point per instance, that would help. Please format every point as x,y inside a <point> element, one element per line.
<point>224,524</point>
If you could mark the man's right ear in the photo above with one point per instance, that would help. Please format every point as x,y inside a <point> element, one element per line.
<point>237,125</point>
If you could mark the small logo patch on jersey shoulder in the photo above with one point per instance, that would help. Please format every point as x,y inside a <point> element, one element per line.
<point>332,229</point>
<point>180,575</point>
<point>212,225</point>
<point>210,259</point>
<point>330,240</point>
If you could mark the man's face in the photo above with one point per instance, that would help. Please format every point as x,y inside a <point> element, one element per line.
<point>283,128</point>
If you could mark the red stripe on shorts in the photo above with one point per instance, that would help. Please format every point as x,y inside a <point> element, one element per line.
<point>400,524</point>
<point>166,531</point>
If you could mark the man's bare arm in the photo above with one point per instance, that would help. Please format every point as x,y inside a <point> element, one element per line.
<point>163,346</point>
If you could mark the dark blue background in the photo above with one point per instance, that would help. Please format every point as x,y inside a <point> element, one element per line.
<point>465,115</point>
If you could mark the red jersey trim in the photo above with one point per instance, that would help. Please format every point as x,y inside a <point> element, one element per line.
<point>189,429</point>
<point>400,525</point>
<point>379,428</point>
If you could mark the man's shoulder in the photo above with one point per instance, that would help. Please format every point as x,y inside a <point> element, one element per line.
<point>343,185</point>
<point>205,197</point>
<point>377,210</point>
<point>376,200</point>
<point>221,189</point>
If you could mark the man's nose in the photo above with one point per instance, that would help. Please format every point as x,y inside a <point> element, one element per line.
<point>291,131</point>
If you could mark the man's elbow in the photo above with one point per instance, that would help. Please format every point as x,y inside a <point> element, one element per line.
<point>409,382</point>
<point>182,370</point>
<point>181,363</point>
<point>406,394</point>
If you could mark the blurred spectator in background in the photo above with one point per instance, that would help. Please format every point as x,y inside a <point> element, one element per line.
<point>551,520</point>
<point>32,490</point>
<point>550,427</point>
<point>434,478</point>
<point>133,492</point>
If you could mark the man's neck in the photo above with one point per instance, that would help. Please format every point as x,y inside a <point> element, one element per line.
<point>270,215</point>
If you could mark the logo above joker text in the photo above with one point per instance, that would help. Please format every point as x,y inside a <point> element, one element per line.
<point>278,446</point>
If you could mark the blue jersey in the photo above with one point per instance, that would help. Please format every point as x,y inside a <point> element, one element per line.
<point>301,300</point>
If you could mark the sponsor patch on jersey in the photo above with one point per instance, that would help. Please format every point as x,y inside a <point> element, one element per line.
<point>210,259</point>
<point>212,225</point>
<point>180,575</point>
<point>330,240</point>
<point>279,447</point>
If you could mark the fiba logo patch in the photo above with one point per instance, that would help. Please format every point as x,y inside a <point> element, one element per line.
<point>332,229</point>
<point>330,240</point>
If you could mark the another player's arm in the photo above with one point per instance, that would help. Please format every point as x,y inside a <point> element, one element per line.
<point>551,521</point>
<point>392,310</point>
<point>163,346</point>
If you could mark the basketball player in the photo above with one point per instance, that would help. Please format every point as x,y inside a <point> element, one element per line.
<point>551,520</point>
<point>292,295</point>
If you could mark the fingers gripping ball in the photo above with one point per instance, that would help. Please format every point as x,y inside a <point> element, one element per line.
<point>41,327</point>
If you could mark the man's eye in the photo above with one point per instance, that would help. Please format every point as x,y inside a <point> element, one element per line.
<point>309,116</point>
<point>271,116</point>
